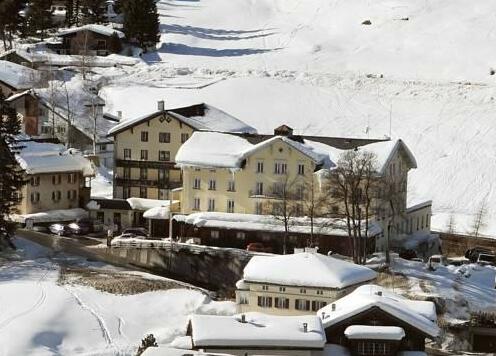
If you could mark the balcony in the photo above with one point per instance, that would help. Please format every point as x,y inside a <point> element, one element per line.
<point>145,164</point>
<point>164,184</point>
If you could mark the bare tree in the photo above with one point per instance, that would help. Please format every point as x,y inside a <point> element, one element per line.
<point>352,185</point>
<point>480,218</point>
<point>451,224</point>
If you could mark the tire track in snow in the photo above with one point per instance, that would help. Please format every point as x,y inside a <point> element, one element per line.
<point>101,322</point>
<point>39,302</point>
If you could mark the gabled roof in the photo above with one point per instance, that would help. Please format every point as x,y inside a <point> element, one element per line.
<point>18,77</point>
<point>294,270</point>
<point>199,117</point>
<point>224,150</point>
<point>421,315</point>
<point>386,150</point>
<point>258,330</point>
<point>100,29</point>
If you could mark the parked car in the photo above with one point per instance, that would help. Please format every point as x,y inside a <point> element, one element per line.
<point>137,231</point>
<point>437,260</point>
<point>473,253</point>
<point>458,261</point>
<point>258,247</point>
<point>408,254</point>
<point>59,229</point>
<point>81,226</point>
<point>486,259</point>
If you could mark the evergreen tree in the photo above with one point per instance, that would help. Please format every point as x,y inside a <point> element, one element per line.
<point>115,45</point>
<point>141,22</point>
<point>11,178</point>
<point>94,11</point>
<point>10,21</point>
<point>69,13</point>
<point>39,18</point>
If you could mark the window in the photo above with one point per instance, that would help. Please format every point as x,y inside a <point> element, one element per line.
<point>303,291</point>
<point>282,289</point>
<point>211,204</point>
<point>230,206</point>
<point>35,181</point>
<point>143,173</point>
<point>71,195</point>
<point>278,189</point>
<point>143,192</point>
<point>196,204</point>
<point>240,235</point>
<point>71,178</point>
<point>56,179</point>
<point>258,208</point>
<point>164,137</point>
<point>281,303</point>
<point>280,168</point>
<point>259,188</point>
<point>231,186</point>
<point>300,192</point>
<point>320,292</point>
<point>211,184</point>
<point>144,136</point>
<point>264,302</point>
<point>214,234</point>
<point>126,192</point>
<point>184,137</point>
<point>163,194</point>
<point>260,167</point>
<point>144,155</point>
<point>35,197</point>
<point>164,155</point>
<point>299,210</point>
<point>127,153</point>
<point>163,175</point>
<point>317,305</point>
<point>56,195</point>
<point>264,287</point>
<point>127,172</point>
<point>367,348</point>
<point>243,299</point>
<point>102,44</point>
<point>301,304</point>
<point>301,169</point>
<point>197,183</point>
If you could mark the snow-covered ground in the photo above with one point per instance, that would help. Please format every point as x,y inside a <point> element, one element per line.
<point>39,316</point>
<point>307,64</point>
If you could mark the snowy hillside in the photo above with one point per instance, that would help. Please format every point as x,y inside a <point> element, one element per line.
<point>313,65</point>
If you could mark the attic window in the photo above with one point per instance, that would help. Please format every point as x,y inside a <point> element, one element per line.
<point>280,149</point>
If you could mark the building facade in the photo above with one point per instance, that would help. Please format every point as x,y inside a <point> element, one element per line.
<point>145,148</point>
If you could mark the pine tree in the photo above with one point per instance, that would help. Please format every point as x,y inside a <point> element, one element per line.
<point>69,13</point>
<point>94,11</point>
<point>39,18</point>
<point>11,178</point>
<point>10,21</point>
<point>141,22</point>
<point>115,45</point>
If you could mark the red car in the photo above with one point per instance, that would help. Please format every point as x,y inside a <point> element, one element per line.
<point>258,247</point>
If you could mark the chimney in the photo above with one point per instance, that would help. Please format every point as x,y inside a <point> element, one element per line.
<point>243,318</point>
<point>333,307</point>
<point>305,327</point>
<point>283,130</point>
<point>379,293</point>
<point>119,115</point>
<point>161,105</point>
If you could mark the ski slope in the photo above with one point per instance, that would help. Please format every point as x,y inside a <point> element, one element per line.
<point>313,65</point>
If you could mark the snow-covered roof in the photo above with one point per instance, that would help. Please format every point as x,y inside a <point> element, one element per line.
<point>385,151</point>
<point>17,76</point>
<point>419,314</point>
<point>100,29</point>
<point>38,158</point>
<point>253,222</point>
<point>374,332</point>
<point>419,206</point>
<point>208,149</point>
<point>306,270</point>
<point>52,216</point>
<point>160,212</point>
<point>168,351</point>
<point>260,330</point>
<point>200,117</point>
<point>144,204</point>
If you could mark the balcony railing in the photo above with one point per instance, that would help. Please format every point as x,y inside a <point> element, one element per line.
<point>145,164</point>
<point>161,184</point>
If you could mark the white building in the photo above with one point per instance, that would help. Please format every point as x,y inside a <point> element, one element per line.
<point>297,284</point>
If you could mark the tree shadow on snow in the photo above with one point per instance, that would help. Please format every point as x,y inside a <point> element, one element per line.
<point>214,34</point>
<point>182,49</point>
<point>49,339</point>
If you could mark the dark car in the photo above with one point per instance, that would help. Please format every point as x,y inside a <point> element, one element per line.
<point>59,229</point>
<point>408,254</point>
<point>81,227</point>
<point>137,231</point>
<point>473,253</point>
